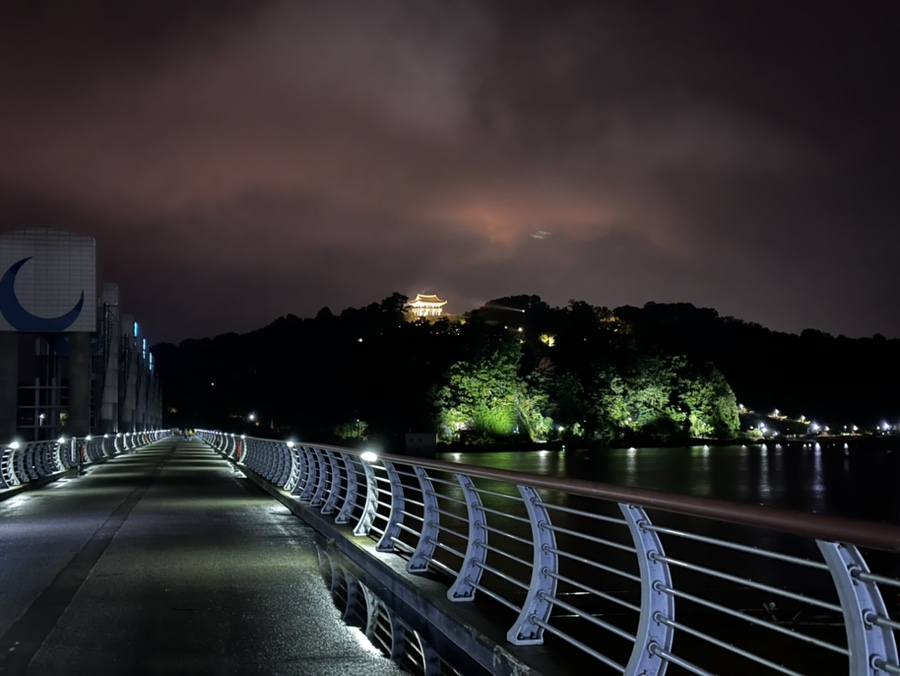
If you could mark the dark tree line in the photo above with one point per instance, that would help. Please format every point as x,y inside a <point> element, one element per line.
<point>516,369</point>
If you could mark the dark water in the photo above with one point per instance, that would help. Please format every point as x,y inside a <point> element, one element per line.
<point>855,482</point>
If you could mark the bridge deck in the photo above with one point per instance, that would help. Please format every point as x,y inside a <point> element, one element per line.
<point>166,561</point>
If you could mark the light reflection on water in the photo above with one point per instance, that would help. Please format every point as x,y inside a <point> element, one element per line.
<point>854,482</point>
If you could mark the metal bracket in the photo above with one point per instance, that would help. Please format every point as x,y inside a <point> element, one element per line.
<point>476,552</point>
<point>431,518</point>
<point>334,486</point>
<point>296,465</point>
<point>371,506</point>
<point>537,607</point>
<point>352,491</point>
<point>302,456</point>
<point>861,601</point>
<point>652,635</point>
<point>395,515</point>
<point>322,480</point>
<point>311,475</point>
<point>285,462</point>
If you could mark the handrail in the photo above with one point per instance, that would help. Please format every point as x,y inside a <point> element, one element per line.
<point>820,526</point>
<point>572,560</point>
<point>25,462</point>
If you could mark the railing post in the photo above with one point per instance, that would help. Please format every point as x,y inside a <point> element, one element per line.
<point>652,635</point>
<point>21,460</point>
<point>352,491</point>
<point>280,462</point>
<point>431,518</point>
<point>59,453</point>
<point>463,588</point>
<point>334,487</point>
<point>311,475</point>
<point>322,480</point>
<point>7,473</point>
<point>871,646</point>
<point>527,629</point>
<point>371,497</point>
<point>395,516</point>
<point>44,458</point>
<point>264,462</point>
<point>295,467</point>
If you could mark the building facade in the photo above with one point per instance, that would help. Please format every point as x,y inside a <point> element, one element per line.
<point>426,306</point>
<point>65,354</point>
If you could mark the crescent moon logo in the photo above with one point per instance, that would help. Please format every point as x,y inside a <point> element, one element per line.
<point>20,318</point>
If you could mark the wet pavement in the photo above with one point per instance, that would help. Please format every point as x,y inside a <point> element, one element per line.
<point>170,561</point>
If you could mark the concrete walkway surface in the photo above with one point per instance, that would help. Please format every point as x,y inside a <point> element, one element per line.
<point>166,560</point>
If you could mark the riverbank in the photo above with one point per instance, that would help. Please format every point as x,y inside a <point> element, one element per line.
<point>824,441</point>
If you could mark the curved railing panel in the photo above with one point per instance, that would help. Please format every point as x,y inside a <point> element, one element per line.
<point>636,581</point>
<point>23,462</point>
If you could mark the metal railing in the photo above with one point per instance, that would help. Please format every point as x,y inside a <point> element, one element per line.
<point>603,569</point>
<point>24,462</point>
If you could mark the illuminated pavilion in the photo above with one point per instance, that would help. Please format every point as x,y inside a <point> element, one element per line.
<point>426,306</point>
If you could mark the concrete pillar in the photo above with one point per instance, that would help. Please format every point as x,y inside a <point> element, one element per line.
<point>9,384</point>
<point>79,424</point>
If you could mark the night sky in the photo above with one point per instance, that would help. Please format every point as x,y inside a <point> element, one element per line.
<point>237,161</point>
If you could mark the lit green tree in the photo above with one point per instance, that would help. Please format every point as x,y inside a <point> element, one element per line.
<point>667,396</point>
<point>486,399</point>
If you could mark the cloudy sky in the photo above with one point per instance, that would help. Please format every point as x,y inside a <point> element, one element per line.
<point>237,161</point>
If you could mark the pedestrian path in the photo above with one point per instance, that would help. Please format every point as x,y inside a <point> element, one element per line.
<point>168,561</point>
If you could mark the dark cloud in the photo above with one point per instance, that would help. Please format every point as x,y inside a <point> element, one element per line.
<point>237,161</point>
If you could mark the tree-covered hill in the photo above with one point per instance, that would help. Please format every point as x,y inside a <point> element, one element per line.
<point>518,369</point>
<point>841,380</point>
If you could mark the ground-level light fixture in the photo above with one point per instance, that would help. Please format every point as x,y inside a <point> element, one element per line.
<point>369,456</point>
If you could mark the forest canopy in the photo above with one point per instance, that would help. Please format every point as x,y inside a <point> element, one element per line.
<point>513,370</point>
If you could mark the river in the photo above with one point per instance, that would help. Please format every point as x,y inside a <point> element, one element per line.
<point>856,481</point>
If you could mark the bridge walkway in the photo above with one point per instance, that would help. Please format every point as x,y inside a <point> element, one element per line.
<point>166,560</point>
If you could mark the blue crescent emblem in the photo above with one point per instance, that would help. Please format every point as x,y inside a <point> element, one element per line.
<point>20,318</point>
